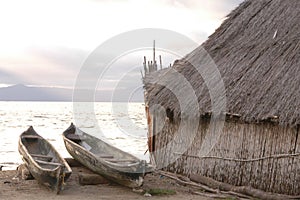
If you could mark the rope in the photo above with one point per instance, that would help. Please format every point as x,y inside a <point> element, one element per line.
<point>242,160</point>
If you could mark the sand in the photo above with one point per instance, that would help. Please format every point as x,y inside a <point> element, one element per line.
<point>30,189</point>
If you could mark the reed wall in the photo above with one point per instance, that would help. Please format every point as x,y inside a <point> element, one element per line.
<point>262,155</point>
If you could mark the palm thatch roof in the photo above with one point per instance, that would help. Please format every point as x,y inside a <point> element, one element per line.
<point>257,51</point>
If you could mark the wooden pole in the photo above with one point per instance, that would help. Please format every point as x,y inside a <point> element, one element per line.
<point>160,61</point>
<point>154,58</point>
<point>145,65</point>
<point>149,67</point>
<point>153,51</point>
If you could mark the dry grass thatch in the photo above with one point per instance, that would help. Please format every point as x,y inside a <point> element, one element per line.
<point>257,51</point>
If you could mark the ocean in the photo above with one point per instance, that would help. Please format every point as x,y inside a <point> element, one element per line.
<point>121,124</point>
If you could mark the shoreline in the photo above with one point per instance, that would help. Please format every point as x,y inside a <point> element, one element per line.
<point>30,189</point>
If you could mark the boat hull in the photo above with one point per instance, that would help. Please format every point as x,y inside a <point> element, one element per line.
<point>127,175</point>
<point>52,176</point>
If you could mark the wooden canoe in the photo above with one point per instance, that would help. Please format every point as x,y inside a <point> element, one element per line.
<point>104,159</point>
<point>45,164</point>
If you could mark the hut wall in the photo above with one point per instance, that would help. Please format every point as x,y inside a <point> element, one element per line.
<point>238,140</point>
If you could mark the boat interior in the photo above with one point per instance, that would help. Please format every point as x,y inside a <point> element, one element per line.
<point>102,150</point>
<point>40,151</point>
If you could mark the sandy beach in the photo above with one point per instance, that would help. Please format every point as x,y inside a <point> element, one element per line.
<point>30,189</point>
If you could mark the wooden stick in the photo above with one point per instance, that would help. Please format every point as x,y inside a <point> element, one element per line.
<point>48,163</point>
<point>31,137</point>
<point>120,160</point>
<point>41,156</point>
<point>142,74</point>
<point>104,156</point>
<point>145,65</point>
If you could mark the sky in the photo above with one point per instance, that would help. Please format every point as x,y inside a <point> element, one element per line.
<point>45,43</point>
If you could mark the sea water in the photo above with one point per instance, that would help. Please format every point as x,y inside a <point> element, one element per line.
<point>121,124</point>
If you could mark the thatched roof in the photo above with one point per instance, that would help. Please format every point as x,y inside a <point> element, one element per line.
<point>257,51</point>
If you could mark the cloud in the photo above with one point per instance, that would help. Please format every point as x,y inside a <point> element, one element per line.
<point>55,66</point>
<point>6,77</point>
<point>47,43</point>
<point>213,6</point>
<point>68,58</point>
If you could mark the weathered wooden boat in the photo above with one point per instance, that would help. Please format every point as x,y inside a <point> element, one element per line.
<point>104,159</point>
<point>45,164</point>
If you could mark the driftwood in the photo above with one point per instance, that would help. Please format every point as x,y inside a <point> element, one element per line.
<point>186,182</point>
<point>217,193</point>
<point>91,179</point>
<point>246,190</point>
<point>222,190</point>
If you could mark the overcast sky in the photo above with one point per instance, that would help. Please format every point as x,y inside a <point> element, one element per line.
<point>46,42</point>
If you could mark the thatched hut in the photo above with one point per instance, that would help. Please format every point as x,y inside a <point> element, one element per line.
<point>257,52</point>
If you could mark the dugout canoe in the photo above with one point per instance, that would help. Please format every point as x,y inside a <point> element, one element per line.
<point>105,159</point>
<point>45,164</point>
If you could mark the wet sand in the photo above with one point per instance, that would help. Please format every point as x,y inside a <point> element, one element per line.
<point>31,190</point>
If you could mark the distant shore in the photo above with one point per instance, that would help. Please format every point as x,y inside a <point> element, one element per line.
<point>20,92</point>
